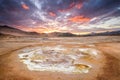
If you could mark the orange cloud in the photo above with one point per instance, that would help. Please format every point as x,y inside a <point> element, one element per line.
<point>24,6</point>
<point>79,19</point>
<point>78,6</point>
<point>67,9</point>
<point>52,14</point>
<point>42,30</point>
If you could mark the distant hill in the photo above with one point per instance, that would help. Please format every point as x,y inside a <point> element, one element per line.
<point>107,33</point>
<point>60,34</point>
<point>6,30</point>
<point>10,31</point>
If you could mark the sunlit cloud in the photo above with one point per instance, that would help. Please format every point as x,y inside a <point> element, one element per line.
<point>24,6</point>
<point>78,6</point>
<point>74,16</point>
<point>79,19</point>
<point>52,14</point>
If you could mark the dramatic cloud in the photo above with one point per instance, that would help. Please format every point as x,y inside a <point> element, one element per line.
<point>25,6</point>
<point>52,14</point>
<point>61,15</point>
<point>79,19</point>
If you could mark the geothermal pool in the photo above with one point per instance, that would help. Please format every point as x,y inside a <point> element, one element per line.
<point>58,58</point>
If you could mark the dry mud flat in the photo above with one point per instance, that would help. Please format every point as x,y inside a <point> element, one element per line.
<point>98,61</point>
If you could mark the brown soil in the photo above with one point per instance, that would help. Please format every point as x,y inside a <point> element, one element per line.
<point>108,68</point>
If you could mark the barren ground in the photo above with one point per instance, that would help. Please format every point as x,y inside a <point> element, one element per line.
<point>107,67</point>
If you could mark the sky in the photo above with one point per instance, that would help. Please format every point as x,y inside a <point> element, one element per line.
<point>75,16</point>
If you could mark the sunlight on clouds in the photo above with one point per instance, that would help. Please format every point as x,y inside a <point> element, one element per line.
<point>64,21</point>
<point>24,6</point>
<point>113,22</point>
<point>73,16</point>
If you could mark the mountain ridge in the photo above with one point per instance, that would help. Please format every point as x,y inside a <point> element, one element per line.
<point>16,32</point>
<point>7,30</point>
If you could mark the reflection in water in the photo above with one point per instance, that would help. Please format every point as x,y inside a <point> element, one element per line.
<point>57,59</point>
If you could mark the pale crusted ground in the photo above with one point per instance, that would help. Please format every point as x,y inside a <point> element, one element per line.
<point>106,68</point>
